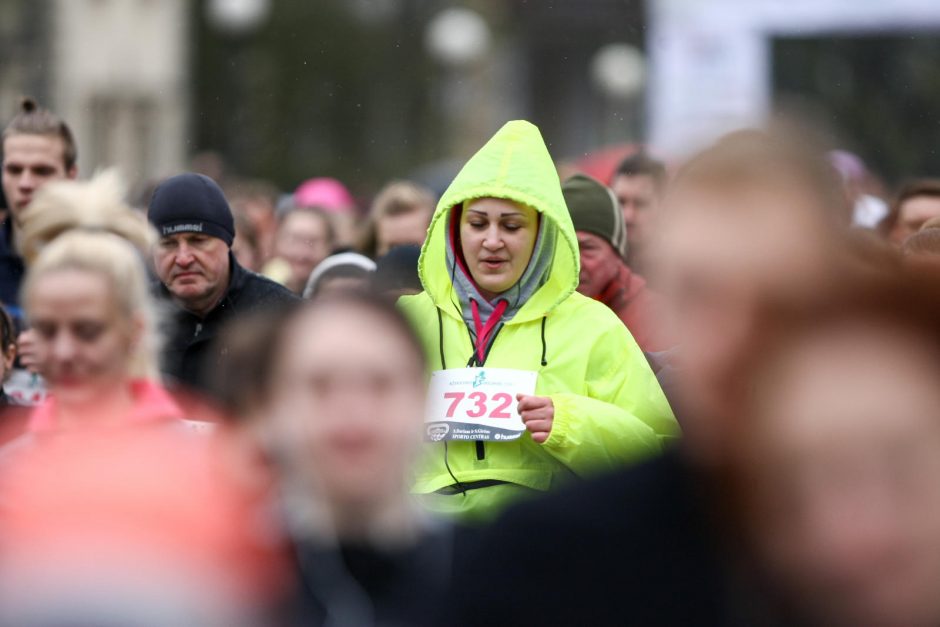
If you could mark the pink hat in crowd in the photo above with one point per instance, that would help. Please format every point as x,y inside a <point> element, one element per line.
<point>325,193</point>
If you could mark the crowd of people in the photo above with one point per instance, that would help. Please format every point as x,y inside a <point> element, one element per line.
<point>694,393</point>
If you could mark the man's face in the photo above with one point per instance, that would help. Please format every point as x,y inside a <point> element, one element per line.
<point>599,264</point>
<point>912,215</point>
<point>29,162</point>
<point>638,200</point>
<point>195,269</point>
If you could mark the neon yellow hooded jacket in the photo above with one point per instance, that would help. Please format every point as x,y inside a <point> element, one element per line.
<point>609,408</point>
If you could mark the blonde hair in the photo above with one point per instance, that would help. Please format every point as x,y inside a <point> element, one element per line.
<point>94,205</point>
<point>87,226</point>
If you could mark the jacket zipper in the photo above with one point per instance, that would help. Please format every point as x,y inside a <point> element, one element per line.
<point>481,450</point>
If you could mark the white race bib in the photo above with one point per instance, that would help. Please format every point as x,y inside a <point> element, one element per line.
<point>476,404</point>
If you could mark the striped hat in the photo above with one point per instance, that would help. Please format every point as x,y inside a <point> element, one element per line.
<point>594,208</point>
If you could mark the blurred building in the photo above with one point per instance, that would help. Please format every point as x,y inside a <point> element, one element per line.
<point>116,70</point>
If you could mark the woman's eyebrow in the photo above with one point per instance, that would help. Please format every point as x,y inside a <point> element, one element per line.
<point>508,214</point>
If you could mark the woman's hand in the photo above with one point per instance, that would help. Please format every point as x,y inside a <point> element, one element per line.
<point>538,413</point>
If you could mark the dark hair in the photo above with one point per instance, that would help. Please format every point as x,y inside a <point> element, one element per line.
<point>7,330</point>
<point>35,120</point>
<point>398,270</point>
<point>910,189</point>
<point>254,343</point>
<point>641,164</point>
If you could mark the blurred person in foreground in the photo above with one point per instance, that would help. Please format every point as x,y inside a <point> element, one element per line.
<point>96,526</point>
<point>38,147</point>
<point>145,526</point>
<point>400,215</point>
<point>339,423</point>
<point>341,272</point>
<point>916,203</point>
<point>87,300</point>
<point>638,184</point>
<point>500,271</point>
<point>836,477</point>
<point>605,275</point>
<point>199,277</point>
<point>747,221</point>
<point>304,238</point>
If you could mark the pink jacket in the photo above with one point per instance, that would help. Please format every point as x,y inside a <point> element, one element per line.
<point>152,403</point>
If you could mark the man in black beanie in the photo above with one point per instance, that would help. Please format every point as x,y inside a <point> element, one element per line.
<point>200,276</point>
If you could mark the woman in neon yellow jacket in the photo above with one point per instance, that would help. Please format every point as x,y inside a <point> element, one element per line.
<point>500,270</point>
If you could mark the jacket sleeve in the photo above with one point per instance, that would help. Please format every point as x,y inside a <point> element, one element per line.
<point>589,435</point>
<point>622,415</point>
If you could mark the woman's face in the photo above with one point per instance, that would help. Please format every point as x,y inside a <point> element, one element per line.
<point>347,405</point>
<point>497,237</point>
<point>84,340</point>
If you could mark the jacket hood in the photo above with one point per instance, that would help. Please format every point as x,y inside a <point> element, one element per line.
<point>514,165</point>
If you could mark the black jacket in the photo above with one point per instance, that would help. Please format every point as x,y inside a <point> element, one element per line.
<point>190,351</point>
<point>11,270</point>
<point>638,547</point>
<point>365,586</point>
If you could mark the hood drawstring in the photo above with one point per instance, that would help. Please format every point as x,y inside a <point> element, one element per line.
<point>544,345</point>
<point>440,338</point>
<point>484,331</point>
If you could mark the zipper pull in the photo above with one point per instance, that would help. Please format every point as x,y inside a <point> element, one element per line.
<point>198,330</point>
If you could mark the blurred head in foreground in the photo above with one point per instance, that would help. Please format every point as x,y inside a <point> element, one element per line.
<point>86,293</point>
<point>754,217</point>
<point>839,453</point>
<point>335,394</point>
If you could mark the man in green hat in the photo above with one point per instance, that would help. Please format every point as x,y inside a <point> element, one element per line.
<point>605,276</point>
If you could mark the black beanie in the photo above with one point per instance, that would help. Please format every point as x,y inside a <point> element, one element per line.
<point>594,209</point>
<point>191,203</point>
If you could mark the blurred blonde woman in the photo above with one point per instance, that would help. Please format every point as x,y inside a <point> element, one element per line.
<point>87,299</point>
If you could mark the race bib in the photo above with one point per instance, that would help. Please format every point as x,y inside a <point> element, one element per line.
<point>476,404</point>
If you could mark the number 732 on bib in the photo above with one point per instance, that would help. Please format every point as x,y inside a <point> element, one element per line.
<point>476,404</point>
